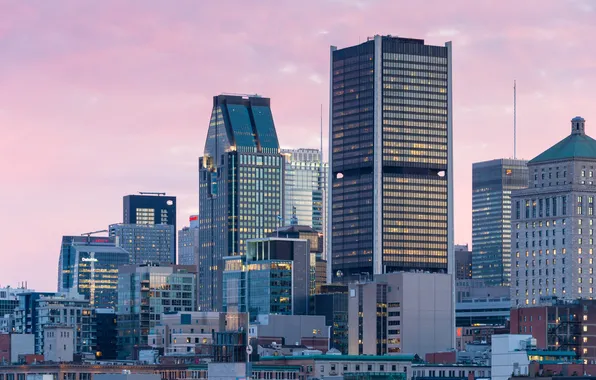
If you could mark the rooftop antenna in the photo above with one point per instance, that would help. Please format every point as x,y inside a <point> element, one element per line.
<point>321,133</point>
<point>514,120</point>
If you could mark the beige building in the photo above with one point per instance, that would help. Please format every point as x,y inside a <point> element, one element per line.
<point>403,312</point>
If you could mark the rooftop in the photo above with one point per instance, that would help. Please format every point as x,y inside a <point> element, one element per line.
<point>577,145</point>
<point>360,358</point>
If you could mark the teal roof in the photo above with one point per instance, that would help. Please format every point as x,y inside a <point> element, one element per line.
<point>361,358</point>
<point>551,353</point>
<point>572,146</point>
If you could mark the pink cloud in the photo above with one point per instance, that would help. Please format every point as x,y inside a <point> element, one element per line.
<point>101,100</point>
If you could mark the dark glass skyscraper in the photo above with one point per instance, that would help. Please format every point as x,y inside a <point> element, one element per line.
<point>492,182</point>
<point>240,186</point>
<point>151,208</point>
<point>390,152</point>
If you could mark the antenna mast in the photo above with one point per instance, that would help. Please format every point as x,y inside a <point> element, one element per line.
<point>321,133</point>
<point>514,120</point>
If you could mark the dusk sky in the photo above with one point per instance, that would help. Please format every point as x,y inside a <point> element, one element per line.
<point>99,99</point>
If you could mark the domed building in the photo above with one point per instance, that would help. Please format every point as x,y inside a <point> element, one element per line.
<point>552,223</point>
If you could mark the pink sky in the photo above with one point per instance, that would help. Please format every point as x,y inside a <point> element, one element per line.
<point>99,99</point>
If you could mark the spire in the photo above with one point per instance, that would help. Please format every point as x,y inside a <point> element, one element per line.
<point>578,126</point>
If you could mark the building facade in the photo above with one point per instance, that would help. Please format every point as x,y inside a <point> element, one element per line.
<point>9,299</point>
<point>152,208</point>
<point>58,345</point>
<point>275,276</point>
<point>144,293</point>
<point>145,243</point>
<point>331,301</point>
<point>492,184</point>
<point>307,330</point>
<point>390,155</point>
<point>565,326</point>
<point>240,186</point>
<point>553,222</point>
<point>305,185</point>
<point>89,266</point>
<point>188,243</point>
<point>463,262</point>
<point>106,342</point>
<point>401,312</point>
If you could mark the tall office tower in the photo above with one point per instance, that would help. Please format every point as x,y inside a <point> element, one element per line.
<point>553,223</point>
<point>390,150</point>
<point>305,184</point>
<point>188,243</point>
<point>151,208</point>
<point>145,292</point>
<point>240,186</point>
<point>89,266</point>
<point>492,183</point>
<point>145,243</point>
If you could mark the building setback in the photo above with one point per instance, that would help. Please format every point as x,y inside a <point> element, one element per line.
<point>390,156</point>
<point>492,183</point>
<point>240,186</point>
<point>553,223</point>
<point>152,208</point>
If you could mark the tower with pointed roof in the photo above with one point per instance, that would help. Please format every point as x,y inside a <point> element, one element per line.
<point>553,223</point>
<point>240,186</point>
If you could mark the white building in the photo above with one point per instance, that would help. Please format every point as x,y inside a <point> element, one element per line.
<point>552,223</point>
<point>58,344</point>
<point>414,312</point>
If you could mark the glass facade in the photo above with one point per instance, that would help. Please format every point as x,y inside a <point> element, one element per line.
<point>492,183</point>
<point>390,157</point>
<point>152,208</point>
<point>89,266</point>
<point>145,243</point>
<point>276,276</point>
<point>144,293</point>
<point>305,182</point>
<point>188,243</point>
<point>240,187</point>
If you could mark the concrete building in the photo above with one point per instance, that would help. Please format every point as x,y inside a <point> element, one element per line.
<point>12,346</point>
<point>146,243</point>
<point>71,311</point>
<point>192,333</point>
<point>566,326</point>
<point>332,302</point>
<point>58,344</point>
<point>188,243</point>
<point>276,276</point>
<point>7,324</point>
<point>305,186</point>
<point>344,366</point>
<point>152,209</point>
<point>401,313</point>
<point>553,223</point>
<point>390,146</point>
<point>240,186</point>
<point>492,184</point>
<point>145,292</point>
<point>463,262</point>
<point>89,266</point>
<point>307,330</point>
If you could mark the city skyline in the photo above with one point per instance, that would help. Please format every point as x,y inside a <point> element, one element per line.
<point>81,132</point>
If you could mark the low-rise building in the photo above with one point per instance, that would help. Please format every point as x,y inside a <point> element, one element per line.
<point>308,330</point>
<point>12,346</point>
<point>58,344</point>
<point>402,312</point>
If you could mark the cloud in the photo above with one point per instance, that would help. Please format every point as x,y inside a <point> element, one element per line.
<point>288,69</point>
<point>316,78</point>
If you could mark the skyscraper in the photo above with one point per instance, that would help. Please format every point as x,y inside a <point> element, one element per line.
<point>390,154</point>
<point>492,183</point>
<point>305,183</point>
<point>89,266</point>
<point>240,186</point>
<point>188,243</point>
<point>553,223</point>
<point>145,243</point>
<point>151,208</point>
